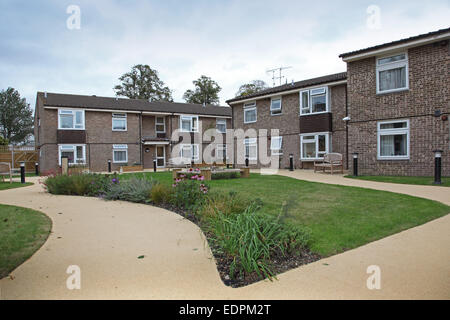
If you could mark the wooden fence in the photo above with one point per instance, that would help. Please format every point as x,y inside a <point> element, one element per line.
<point>16,155</point>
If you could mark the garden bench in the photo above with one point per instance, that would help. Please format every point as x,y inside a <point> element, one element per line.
<point>5,169</point>
<point>330,161</point>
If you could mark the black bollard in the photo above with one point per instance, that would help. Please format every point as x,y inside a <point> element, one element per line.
<point>355,164</point>
<point>36,168</point>
<point>154,165</point>
<point>246,162</point>
<point>437,166</point>
<point>22,172</point>
<point>109,166</point>
<point>291,162</point>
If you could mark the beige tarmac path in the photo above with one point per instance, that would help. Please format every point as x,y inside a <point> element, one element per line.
<point>105,239</point>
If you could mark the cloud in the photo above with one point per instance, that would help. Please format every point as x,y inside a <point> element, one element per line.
<point>231,41</point>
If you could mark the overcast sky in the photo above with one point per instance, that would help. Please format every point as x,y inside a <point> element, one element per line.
<point>232,42</point>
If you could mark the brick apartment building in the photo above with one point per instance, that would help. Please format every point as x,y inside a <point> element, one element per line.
<point>391,107</point>
<point>91,130</point>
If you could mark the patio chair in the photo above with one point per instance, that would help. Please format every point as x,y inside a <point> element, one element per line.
<point>330,161</point>
<point>5,169</point>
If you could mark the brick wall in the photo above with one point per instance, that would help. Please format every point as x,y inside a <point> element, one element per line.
<point>429,90</point>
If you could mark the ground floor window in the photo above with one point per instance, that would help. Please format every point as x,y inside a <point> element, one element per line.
<point>251,149</point>
<point>76,154</point>
<point>276,144</point>
<point>393,140</point>
<point>221,152</point>
<point>120,153</point>
<point>189,152</point>
<point>314,146</point>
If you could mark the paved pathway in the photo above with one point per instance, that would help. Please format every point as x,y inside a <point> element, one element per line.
<point>105,239</point>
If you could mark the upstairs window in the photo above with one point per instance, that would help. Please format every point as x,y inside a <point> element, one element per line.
<point>392,73</point>
<point>189,123</point>
<point>393,140</point>
<point>120,153</point>
<point>275,106</point>
<point>250,112</point>
<point>221,125</point>
<point>314,101</point>
<point>70,119</point>
<point>276,145</point>
<point>221,152</point>
<point>119,122</point>
<point>160,126</point>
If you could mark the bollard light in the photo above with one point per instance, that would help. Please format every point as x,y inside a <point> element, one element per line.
<point>437,166</point>
<point>109,166</point>
<point>22,172</point>
<point>291,162</point>
<point>154,165</point>
<point>355,163</point>
<point>246,162</point>
<point>36,167</point>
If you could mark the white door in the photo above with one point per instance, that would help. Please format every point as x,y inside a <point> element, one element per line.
<point>160,156</point>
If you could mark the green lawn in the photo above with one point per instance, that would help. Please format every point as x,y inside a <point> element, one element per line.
<point>6,185</point>
<point>427,181</point>
<point>22,232</point>
<point>340,217</point>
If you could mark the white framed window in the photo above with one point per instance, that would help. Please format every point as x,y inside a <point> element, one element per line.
<point>70,119</point>
<point>314,101</point>
<point>76,153</point>
<point>392,73</point>
<point>221,152</point>
<point>275,106</point>
<point>189,123</point>
<point>251,148</point>
<point>393,140</point>
<point>250,114</point>
<point>313,146</point>
<point>189,152</point>
<point>160,125</point>
<point>276,145</point>
<point>120,153</point>
<point>221,125</point>
<point>119,122</point>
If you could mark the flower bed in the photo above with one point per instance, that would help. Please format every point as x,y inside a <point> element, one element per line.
<point>248,246</point>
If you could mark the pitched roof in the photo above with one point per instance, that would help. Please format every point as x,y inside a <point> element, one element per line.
<point>108,103</point>
<point>397,42</point>
<point>295,85</point>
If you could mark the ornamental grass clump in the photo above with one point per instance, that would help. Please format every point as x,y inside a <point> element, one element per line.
<point>252,240</point>
<point>133,190</point>
<point>81,184</point>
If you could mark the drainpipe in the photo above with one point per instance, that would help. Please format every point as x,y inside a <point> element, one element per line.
<point>346,125</point>
<point>141,158</point>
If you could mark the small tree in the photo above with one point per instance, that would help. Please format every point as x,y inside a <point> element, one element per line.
<point>16,117</point>
<point>143,82</point>
<point>206,91</point>
<point>252,87</point>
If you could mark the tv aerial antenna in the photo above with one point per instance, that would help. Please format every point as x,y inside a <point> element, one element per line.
<point>277,74</point>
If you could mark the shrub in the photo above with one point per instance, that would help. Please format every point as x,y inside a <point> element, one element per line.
<point>161,193</point>
<point>251,239</point>
<point>225,175</point>
<point>226,203</point>
<point>78,184</point>
<point>133,190</point>
<point>188,194</point>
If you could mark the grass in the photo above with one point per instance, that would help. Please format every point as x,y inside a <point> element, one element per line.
<point>426,181</point>
<point>339,217</point>
<point>22,232</point>
<point>6,185</point>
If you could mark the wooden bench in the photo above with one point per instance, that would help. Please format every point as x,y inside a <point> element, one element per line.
<point>330,161</point>
<point>5,169</point>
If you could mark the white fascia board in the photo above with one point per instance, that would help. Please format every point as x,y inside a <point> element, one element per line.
<point>201,115</point>
<point>90,109</point>
<point>402,46</point>
<point>282,93</point>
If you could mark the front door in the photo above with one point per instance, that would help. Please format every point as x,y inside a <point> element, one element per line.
<point>160,156</point>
